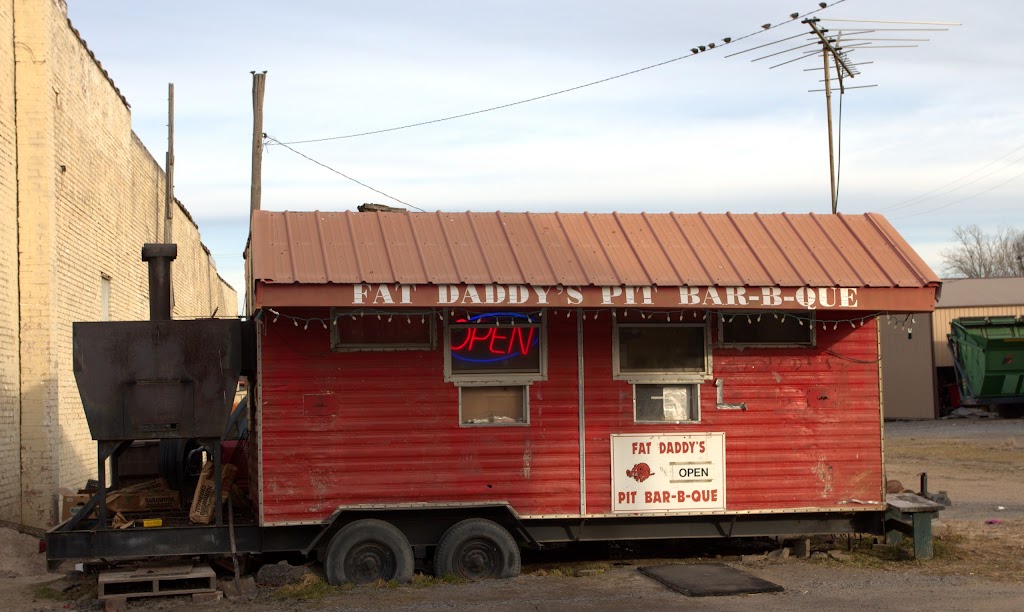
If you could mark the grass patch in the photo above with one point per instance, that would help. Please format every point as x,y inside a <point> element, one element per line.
<point>45,592</point>
<point>570,570</point>
<point>423,580</point>
<point>1004,453</point>
<point>311,588</point>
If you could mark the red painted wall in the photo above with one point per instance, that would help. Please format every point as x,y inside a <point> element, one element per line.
<point>383,427</point>
<point>390,430</point>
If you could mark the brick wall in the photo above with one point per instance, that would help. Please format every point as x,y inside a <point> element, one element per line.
<point>90,194</point>
<point>10,385</point>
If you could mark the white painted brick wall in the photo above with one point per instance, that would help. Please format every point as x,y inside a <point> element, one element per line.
<point>89,196</point>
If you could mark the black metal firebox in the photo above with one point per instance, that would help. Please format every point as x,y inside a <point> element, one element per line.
<point>156,379</point>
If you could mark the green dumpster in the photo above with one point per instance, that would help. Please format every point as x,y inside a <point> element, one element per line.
<point>988,355</point>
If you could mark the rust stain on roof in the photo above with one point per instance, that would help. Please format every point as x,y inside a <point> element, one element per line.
<point>584,249</point>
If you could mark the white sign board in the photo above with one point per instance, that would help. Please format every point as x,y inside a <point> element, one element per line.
<point>675,473</point>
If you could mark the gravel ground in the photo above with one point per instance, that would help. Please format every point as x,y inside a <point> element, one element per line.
<point>979,565</point>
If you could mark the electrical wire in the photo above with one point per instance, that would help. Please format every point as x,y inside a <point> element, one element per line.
<point>929,195</point>
<point>961,200</point>
<point>271,139</point>
<point>554,93</point>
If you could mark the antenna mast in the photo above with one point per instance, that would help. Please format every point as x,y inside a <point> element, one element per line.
<point>828,51</point>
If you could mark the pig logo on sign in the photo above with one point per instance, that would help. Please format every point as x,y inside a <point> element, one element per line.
<point>640,472</point>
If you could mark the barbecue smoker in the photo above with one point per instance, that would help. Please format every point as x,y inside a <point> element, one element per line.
<point>156,379</point>
<point>441,390</point>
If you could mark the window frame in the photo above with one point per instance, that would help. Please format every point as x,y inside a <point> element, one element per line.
<point>694,401</point>
<point>526,405</point>
<point>664,376</point>
<point>496,377</point>
<point>722,343</point>
<point>338,347</point>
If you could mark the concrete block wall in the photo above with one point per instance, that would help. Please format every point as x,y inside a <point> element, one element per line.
<point>10,383</point>
<point>89,194</point>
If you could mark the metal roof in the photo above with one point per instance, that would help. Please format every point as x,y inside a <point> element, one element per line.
<point>970,292</point>
<point>584,249</point>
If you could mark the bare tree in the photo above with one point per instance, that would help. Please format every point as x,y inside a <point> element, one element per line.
<point>981,255</point>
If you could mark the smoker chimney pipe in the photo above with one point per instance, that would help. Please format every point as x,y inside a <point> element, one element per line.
<point>159,257</point>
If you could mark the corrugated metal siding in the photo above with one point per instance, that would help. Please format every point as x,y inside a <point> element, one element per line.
<point>810,437</point>
<point>390,432</point>
<point>944,316</point>
<point>908,378</point>
<point>584,249</point>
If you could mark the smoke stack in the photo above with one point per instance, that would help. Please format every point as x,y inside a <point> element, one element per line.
<point>159,257</point>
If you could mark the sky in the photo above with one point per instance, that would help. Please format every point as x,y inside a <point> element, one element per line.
<point>937,144</point>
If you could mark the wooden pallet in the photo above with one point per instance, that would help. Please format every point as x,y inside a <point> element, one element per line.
<point>154,581</point>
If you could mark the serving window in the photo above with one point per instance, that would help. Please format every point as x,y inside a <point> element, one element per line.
<point>405,331</point>
<point>764,329</point>
<point>501,347</point>
<point>653,352</point>
<point>494,405</point>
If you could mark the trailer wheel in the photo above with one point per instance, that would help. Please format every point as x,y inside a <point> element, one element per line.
<point>477,548</point>
<point>366,551</point>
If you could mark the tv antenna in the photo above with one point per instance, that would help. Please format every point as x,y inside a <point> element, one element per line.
<point>835,45</point>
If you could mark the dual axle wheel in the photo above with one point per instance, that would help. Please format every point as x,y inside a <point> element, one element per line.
<point>369,550</point>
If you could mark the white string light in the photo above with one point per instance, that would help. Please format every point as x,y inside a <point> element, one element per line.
<point>900,321</point>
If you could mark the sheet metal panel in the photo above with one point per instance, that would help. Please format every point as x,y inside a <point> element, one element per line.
<point>708,251</point>
<point>649,251</point>
<point>584,249</point>
<point>431,248</point>
<point>688,268</point>
<point>383,427</point>
<point>597,268</point>
<point>779,270</point>
<point>500,258</point>
<point>557,250</point>
<point>748,266</point>
<point>402,249</point>
<point>529,250</point>
<point>618,249</point>
<point>465,248</point>
<point>811,436</point>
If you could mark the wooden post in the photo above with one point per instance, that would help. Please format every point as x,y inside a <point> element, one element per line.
<point>259,80</point>
<point>828,106</point>
<point>169,167</point>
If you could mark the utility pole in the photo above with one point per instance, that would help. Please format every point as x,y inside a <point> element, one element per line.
<point>169,166</point>
<point>259,81</point>
<point>830,53</point>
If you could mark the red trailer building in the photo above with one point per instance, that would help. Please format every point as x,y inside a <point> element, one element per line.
<point>567,377</point>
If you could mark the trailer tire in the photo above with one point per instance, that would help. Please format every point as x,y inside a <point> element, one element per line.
<point>368,550</point>
<point>477,548</point>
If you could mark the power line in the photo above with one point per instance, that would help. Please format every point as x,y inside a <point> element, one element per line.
<point>699,49</point>
<point>273,140</point>
<point>929,195</point>
<point>970,197</point>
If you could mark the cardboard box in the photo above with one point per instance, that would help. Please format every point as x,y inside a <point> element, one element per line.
<point>139,501</point>
<point>203,505</point>
<point>71,502</point>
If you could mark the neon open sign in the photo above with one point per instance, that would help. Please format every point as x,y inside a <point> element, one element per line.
<point>495,341</point>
